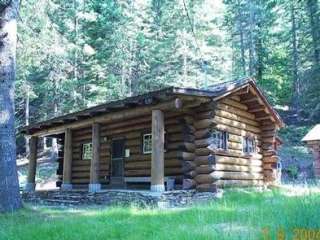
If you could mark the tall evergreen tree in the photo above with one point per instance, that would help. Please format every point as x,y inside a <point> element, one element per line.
<point>9,185</point>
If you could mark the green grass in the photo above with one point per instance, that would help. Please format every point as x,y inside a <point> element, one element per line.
<point>240,214</point>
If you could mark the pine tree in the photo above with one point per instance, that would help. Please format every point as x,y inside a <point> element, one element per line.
<point>9,185</point>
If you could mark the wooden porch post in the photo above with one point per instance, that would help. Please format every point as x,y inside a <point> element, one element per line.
<point>67,161</point>
<point>157,162</point>
<point>31,180</point>
<point>95,185</point>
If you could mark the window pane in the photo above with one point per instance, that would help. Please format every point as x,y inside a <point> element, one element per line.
<point>87,151</point>
<point>219,139</point>
<point>147,143</point>
<point>249,145</point>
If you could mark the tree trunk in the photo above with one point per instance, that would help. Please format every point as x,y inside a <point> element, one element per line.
<point>54,146</point>
<point>296,85</point>
<point>27,116</point>
<point>242,45</point>
<point>9,184</point>
<point>312,6</point>
<point>252,62</point>
<point>185,62</point>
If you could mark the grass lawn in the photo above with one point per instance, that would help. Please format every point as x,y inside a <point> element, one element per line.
<point>240,214</point>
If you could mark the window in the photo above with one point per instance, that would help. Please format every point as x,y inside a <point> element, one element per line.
<point>249,145</point>
<point>87,151</point>
<point>219,139</point>
<point>147,143</point>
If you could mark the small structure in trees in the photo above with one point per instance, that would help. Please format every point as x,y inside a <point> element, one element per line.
<point>225,135</point>
<point>312,139</point>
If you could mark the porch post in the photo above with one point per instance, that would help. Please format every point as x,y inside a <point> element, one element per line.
<point>95,185</point>
<point>67,161</point>
<point>31,179</point>
<point>157,162</point>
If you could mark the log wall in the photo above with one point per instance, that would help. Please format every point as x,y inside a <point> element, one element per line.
<point>188,155</point>
<point>230,167</point>
<point>178,141</point>
<point>270,158</point>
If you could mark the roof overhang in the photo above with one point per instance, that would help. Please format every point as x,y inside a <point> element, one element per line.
<point>189,96</point>
<point>249,85</point>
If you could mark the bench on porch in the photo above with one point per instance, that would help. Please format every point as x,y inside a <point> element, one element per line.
<point>169,181</point>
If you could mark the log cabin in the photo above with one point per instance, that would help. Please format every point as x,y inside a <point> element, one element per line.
<point>179,138</point>
<point>312,139</point>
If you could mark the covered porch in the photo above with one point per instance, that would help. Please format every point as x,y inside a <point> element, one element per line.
<point>65,129</point>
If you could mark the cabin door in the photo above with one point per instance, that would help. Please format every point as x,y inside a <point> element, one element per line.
<point>117,163</point>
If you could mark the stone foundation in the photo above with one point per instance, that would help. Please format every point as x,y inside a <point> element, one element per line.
<point>179,198</point>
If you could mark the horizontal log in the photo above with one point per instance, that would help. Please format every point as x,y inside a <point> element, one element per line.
<point>232,153</point>
<point>216,175</point>
<point>78,156</point>
<point>239,183</point>
<point>205,115</point>
<point>204,123</point>
<point>204,160</point>
<point>104,167</point>
<point>203,133</point>
<point>271,159</point>
<point>147,164</point>
<point>147,172</point>
<point>269,153</point>
<point>186,119</point>
<point>170,117</point>
<point>112,117</point>
<point>235,98</point>
<point>137,127</point>
<point>269,166</point>
<point>87,180</point>
<point>237,111</point>
<point>182,146</point>
<point>206,169</point>
<point>270,127</point>
<point>235,104</point>
<point>236,117</point>
<point>181,137</point>
<point>236,124</point>
<point>268,139</point>
<point>266,134</point>
<point>86,174</point>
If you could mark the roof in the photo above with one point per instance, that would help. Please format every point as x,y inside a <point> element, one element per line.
<point>214,92</point>
<point>313,134</point>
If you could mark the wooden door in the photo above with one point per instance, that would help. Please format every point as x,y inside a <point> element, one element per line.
<point>117,163</point>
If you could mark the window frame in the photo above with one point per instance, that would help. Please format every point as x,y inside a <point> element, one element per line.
<point>223,141</point>
<point>150,133</point>
<point>143,143</point>
<point>246,148</point>
<point>83,151</point>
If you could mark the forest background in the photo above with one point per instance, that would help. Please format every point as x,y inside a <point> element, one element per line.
<point>78,53</point>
